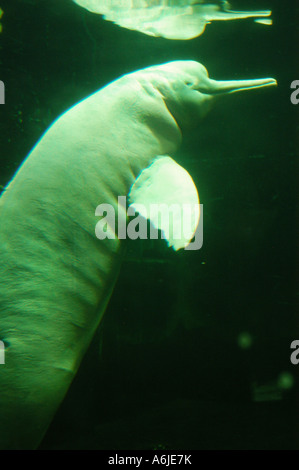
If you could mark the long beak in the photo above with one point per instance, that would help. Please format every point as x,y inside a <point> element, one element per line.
<point>215,87</point>
<point>237,15</point>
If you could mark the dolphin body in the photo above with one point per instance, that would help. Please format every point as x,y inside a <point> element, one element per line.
<point>171,19</point>
<point>56,277</point>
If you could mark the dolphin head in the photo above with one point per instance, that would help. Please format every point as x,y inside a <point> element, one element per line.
<point>188,92</point>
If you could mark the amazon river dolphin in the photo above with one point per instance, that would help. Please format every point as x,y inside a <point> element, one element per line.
<point>171,19</point>
<point>56,276</point>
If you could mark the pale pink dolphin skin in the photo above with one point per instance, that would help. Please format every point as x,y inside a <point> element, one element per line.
<point>56,277</point>
<point>171,19</point>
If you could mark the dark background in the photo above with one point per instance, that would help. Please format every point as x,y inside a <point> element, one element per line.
<point>167,368</point>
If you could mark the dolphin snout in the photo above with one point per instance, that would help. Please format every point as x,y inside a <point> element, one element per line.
<point>215,87</point>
